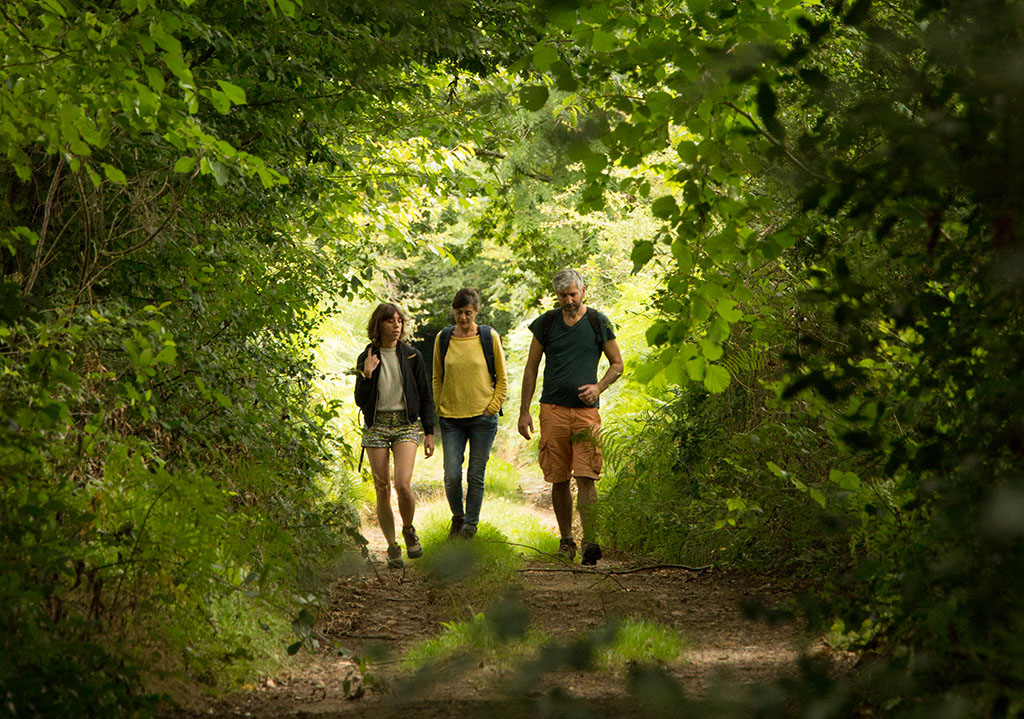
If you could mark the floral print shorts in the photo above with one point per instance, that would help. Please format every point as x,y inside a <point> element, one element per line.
<point>390,428</point>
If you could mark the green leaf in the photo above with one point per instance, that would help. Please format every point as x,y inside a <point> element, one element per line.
<point>683,254</point>
<point>185,164</point>
<point>533,97</point>
<point>164,39</point>
<point>114,175</point>
<point>695,368</point>
<point>712,351</point>
<point>687,151</point>
<point>220,172</point>
<point>665,207</point>
<point>657,334</point>
<point>726,309</point>
<point>220,102</point>
<point>603,41</point>
<point>594,163</point>
<point>544,56</point>
<point>564,78</point>
<point>817,496</point>
<point>716,378</point>
<point>642,253</point>
<point>234,93</point>
<point>846,480</point>
<point>55,7</point>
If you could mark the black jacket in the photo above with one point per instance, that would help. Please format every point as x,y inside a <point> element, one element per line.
<point>419,401</point>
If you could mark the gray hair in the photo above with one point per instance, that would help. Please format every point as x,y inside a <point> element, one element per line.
<point>564,278</point>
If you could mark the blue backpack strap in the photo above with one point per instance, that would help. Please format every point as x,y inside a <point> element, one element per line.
<point>445,338</point>
<point>487,344</point>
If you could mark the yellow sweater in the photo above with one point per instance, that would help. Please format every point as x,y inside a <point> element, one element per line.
<point>466,390</point>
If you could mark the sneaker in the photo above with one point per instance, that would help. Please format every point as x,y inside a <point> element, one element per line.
<point>591,553</point>
<point>395,557</point>
<point>456,528</point>
<point>567,548</point>
<point>468,531</point>
<point>412,542</point>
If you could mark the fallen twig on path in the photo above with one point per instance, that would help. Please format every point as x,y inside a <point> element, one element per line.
<point>634,570</point>
<point>388,637</point>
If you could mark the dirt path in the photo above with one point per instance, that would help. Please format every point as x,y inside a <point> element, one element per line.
<point>380,613</point>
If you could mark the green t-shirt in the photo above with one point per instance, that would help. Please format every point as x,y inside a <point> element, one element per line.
<point>572,355</point>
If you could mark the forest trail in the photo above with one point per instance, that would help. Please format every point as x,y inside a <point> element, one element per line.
<point>380,614</point>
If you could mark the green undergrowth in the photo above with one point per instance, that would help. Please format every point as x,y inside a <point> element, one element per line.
<point>507,533</point>
<point>505,637</point>
<point>497,636</point>
<point>503,479</point>
<point>642,642</point>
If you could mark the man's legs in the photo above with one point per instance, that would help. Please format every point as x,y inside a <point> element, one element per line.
<point>561,502</point>
<point>586,464</point>
<point>556,463</point>
<point>586,498</point>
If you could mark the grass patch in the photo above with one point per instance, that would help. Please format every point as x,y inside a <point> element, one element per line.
<point>480,568</point>
<point>501,522</point>
<point>502,635</point>
<point>642,642</point>
<point>502,480</point>
<point>519,524</point>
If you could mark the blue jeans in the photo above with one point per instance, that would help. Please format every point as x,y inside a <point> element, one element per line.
<point>479,431</point>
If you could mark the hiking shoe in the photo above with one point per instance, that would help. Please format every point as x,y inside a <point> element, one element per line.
<point>456,528</point>
<point>468,531</point>
<point>591,553</point>
<point>395,557</point>
<point>412,542</point>
<point>567,548</point>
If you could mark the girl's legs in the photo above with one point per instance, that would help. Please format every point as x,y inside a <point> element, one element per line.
<point>380,467</point>
<point>405,458</point>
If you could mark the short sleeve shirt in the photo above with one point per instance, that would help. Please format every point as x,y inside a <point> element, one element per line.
<point>571,357</point>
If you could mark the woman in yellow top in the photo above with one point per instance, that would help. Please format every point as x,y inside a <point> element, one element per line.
<point>469,388</point>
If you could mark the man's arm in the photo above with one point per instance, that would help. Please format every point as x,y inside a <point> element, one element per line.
<point>590,392</point>
<point>529,387</point>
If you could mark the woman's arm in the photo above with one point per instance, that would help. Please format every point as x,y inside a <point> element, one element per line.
<point>438,380</point>
<point>364,384</point>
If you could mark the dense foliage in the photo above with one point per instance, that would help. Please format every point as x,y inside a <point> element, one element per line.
<point>185,184</point>
<point>842,251</point>
<point>825,195</point>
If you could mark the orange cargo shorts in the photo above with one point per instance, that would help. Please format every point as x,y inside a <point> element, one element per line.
<point>570,442</point>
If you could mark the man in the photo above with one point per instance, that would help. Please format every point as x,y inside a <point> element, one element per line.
<point>573,337</point>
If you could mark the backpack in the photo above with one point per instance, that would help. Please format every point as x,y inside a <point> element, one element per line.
<point>486,343</point>
<point>549,317</point>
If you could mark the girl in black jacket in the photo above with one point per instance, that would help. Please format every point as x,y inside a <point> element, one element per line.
<point>394,394</point>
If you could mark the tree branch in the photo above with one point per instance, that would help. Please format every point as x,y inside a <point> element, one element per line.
<point>772,139</point>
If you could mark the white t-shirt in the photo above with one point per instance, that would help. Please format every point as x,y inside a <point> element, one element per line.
<point>390,394</point>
